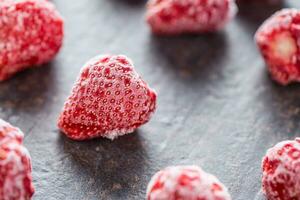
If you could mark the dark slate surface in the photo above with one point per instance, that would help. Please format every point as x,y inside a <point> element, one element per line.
<point>217,107</point>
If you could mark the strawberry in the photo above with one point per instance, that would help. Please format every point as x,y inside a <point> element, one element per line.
<point>15,165</point>
<point>277,40</point>
<point>185,183</point>
<point>281,171</point>
<point>31,34</point>
<point>171,17</point>
<point>109,99</point>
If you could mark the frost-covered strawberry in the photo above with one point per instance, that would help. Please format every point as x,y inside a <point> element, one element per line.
<point>185,183</point>
<point>15,165</point>
<point>31,34</point>
<point>277,40</point>
<point>189,16</point>
<point>109,99</point>
<point>281,171</point>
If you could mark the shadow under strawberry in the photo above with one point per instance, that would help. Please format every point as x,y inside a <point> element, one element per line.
<point>193,59</point>
<point>133,3</point>
<point>110,168</point>
<point>281,106</point>
<point>30,91</point>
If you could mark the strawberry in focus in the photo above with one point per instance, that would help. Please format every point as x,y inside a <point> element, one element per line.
<point>172,17</point>
<point>31,34</point>
<point>281,171</point>
<point>185,183</point>
<point>277,40</point>
<point>15,165</point>
<point>109,99</point>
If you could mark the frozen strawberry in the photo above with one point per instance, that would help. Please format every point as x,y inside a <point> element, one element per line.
<point>31,34</point>
<point>15,165</point>
<point>185,183</point>
<point>281,171</point>
<point>277,40</point>
<point>189,16</point>
<point>109,99</point>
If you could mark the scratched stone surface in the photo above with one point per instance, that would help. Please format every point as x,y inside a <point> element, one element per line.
<point>217,106</point>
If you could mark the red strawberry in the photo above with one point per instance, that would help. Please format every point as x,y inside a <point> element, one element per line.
<point>189,16</point>
<point>15,165</point>
<point>281,171</point>
<point>31,34</point>
<point>277,40</point>
<point>185,183</point>
<point>109,99</point>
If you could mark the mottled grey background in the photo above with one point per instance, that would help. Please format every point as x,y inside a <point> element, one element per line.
<point>217,107</point>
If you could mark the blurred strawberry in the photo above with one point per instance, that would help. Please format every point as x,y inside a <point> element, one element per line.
<point>171,17</point>
<point>15,165</point>
<point>281,171</point>
<point>277,40</point>
<point>31,34</point>
<point>185,183</point>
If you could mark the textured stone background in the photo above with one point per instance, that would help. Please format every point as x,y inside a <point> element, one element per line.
<point>217,106</point>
